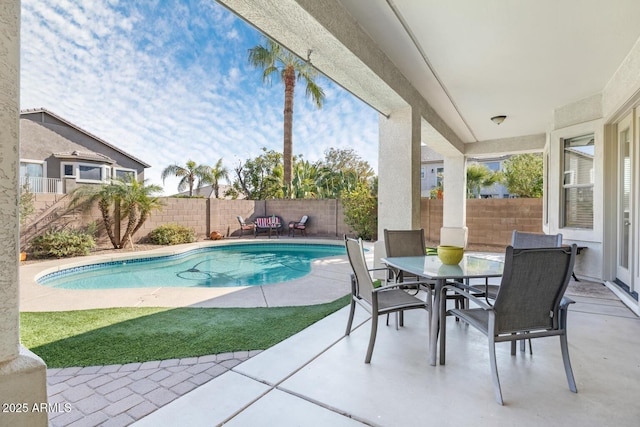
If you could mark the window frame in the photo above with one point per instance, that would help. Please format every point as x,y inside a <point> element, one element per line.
<point>115,170</point>
<point>104,172</point>
<point>572,184</point>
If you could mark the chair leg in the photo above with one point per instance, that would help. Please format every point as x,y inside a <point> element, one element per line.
<point>564,346</point>
<point>494,370</point>
<point>351,313</point>
<point>372,337</point>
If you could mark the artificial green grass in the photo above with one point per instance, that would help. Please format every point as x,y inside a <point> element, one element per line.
<point>125,335</point>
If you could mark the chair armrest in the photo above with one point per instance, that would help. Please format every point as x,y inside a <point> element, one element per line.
<point>404,285</point>
<point>564,303</point>
<point>469,296</point>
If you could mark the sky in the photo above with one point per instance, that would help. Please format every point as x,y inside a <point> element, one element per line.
<point>168,81</point>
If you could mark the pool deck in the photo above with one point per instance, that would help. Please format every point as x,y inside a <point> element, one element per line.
<point>118,395</point>
<point>325,283</point>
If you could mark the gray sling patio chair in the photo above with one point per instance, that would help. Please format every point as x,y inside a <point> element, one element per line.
<point>385,299</point>
<point>522,240</point>
<point>529,303</point>
<point>404,243</point>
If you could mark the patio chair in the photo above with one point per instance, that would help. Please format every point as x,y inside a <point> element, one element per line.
<point>244,226</point>
<point>529,304</point>
<point>299,225</point>
<point>404,243</point>
<point>400,243</point>
<point>382,300</point>
<point>522,240</point>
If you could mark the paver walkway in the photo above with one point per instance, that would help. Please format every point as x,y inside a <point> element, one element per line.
<point>118,395</point>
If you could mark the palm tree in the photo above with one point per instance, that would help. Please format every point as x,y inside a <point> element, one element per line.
<point>189,174</point>
<point>478,177</point>
<point>274,59</point>
<point>215,174</point>
<point>117,200</point>
<point>137,201</point>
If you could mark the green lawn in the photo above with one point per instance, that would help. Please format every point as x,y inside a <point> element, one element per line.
<point>124,335</point>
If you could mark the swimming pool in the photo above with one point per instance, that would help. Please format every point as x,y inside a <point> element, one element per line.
<point>212,266</point>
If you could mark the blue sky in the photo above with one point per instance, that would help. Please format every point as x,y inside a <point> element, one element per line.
<point>169,81</point>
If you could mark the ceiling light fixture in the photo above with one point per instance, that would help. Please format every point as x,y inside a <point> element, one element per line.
<point>498,119</point>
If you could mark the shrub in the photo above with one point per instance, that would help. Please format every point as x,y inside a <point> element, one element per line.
<point>361,211</point>
<point>61,244</point>
<point>172,234</point>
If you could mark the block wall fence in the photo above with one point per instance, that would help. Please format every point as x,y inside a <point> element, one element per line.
<point>490,221</point>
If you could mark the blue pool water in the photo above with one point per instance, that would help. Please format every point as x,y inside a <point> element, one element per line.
<point>219,266</point>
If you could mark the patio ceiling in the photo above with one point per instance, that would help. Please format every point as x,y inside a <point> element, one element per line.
<point>469,59</point>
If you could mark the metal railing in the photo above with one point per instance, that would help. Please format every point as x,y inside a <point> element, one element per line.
<point>42,185</point>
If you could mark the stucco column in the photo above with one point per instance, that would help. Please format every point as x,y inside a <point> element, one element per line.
<point>454,230</point>
<point>398,173</point>
<point>22,374</point>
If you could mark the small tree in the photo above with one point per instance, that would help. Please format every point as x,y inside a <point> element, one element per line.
<point>26,203</point>
<point>361,210</point>
<point>523,175</point>
<point>260,178</point>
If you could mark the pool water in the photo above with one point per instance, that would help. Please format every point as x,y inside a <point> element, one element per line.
<point>220,266</point>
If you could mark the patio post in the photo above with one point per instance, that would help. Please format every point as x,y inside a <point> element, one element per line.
<point>454,212</point>
<point>23,376</point>
<point>398,173</point>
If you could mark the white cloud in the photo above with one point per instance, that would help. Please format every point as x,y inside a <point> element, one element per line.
<point>167,83</point>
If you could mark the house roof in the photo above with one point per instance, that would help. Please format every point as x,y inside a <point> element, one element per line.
<point>89,134</point>
<point>84,155</point>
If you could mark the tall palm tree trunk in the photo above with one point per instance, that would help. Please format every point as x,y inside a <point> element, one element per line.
<point>287,156</point>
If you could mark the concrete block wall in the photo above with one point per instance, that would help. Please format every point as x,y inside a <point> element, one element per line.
<point>191,213</point>
<point>490,221</point>
<point>323,214</point>
<point>224,213</point>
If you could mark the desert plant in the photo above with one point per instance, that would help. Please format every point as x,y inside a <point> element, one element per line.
<point>172,234</point>
<point>62,244</point>
<point>26,203</point>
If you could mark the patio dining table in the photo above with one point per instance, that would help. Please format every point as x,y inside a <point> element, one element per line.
<point>430,267</point>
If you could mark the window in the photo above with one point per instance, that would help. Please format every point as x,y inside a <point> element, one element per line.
<point>422,173</point>
<point>32,170</point>
<point>577,187</point>
<point>439,177</point>
<point>124,174</point>
<point>67,170</point>
<point>90,172</point>
<point>32,175</point>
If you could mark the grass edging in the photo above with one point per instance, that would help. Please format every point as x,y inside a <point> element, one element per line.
<point>125,335</point>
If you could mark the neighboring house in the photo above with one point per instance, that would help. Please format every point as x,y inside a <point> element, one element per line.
<point>56,155</point>
<point>432,173</point>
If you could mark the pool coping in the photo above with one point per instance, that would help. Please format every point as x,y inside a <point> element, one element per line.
<point>327,281</point>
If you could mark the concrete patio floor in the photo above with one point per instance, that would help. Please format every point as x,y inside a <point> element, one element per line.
<point>318,378</point>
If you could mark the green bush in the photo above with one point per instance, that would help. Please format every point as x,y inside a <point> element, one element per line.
<point>361,210</point>
<point>172,234</point>
<point>62,244</point>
